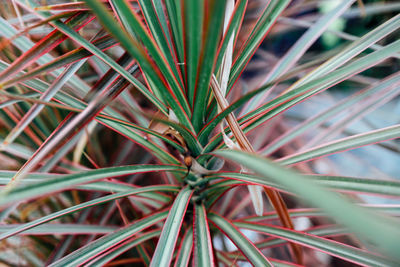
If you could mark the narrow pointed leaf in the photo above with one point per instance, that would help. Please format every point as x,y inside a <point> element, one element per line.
<point>185,249</point>
<point>60,229</point>
<point>333,248</point>
<point>100,54</point>
<point>69,181</point>
<point>193,17</point>
<point>301,45</point>
<point>385,188</point>
<point>106,257</point>
<point>263,25</point>
<point>351,51</point>
<point>166,244</point>
<point>378,230</point>
<point>289,99</point>
<point>132,22</point>
<point>375,89</point>
<point>102,244</point>
<point>159,34</point>
<point>88,204</point>
<point>102,43</point>
<point>344,144</point>
<point>47,96</point>
<point>232,30</point>
<point>23,43</point>
<point>203,251</point>
<point>248,249</point>
<point>213,25</point>
<point>174,11</point>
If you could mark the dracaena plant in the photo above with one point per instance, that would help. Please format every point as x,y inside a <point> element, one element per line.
<point>129,135</point>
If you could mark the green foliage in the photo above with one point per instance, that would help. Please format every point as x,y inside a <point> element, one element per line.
<point>131,132</point>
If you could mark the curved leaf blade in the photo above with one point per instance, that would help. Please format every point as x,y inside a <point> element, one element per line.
<point>102,244</point>
<point>106,257</point>
<point>248,249</point>
<point>383,232</point>
<point>69,181</point>
<point>166,244</point>
<point>344,144</point>
<point>185,249</point>
<point>203,251</point>
<point>384,188</point>
<point>331,247</point>
<point>88,204</point>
